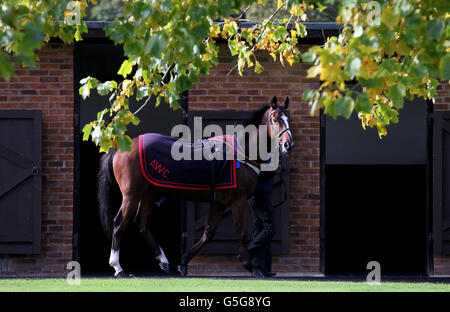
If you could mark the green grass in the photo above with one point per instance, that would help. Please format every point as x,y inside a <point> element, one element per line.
<point>209,285</point>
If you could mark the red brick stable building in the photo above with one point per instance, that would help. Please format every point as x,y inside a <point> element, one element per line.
<point>331,218</point>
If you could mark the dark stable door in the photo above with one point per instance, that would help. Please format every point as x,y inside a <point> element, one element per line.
<point>376,213</point>
<point>441,183</point>
<point>20,181</point>
<point>225,241</point>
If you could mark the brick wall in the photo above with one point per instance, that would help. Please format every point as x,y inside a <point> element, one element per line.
<point>252,91</point>
<point>442,103</point>
<point>218,92</point>
<point>49,88</point>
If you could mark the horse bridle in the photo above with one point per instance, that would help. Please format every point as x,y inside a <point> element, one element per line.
<point>271,124</point>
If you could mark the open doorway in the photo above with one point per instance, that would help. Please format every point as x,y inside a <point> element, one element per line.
<point>102,60</point>
<point>376,195</point>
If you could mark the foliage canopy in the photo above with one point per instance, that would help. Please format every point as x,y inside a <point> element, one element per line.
<point>387,51</point>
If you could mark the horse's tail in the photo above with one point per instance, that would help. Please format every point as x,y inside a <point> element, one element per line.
<point>105,184</point>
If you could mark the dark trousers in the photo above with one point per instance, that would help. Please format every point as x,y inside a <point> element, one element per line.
<point>264,226</point>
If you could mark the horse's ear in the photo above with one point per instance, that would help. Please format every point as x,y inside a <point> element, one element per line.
<point>273,103</point>
<point>286,103</point>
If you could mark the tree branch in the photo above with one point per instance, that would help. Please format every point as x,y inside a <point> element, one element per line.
<point>261,33</point>
<point>154,96</point>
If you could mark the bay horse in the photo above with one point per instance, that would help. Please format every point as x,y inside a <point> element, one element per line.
<point>139,197</point>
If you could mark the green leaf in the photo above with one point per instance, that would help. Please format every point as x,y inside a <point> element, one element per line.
<point>87,131</point>
<point>6,68</point>
<point>97,134</point>
<point>231,28</point>
<point>371,83</point>
<point>183,83</point>
<point>93,82</point>
<point>156,45</point>
<point>308,94</point>
<point>224,7</point>
<point>106,87</point>
<point>142,92</point>
<point>78,35</point>
<point>126,68</point>
<point>119,128</point>
<point>358,31</point>
<point>85,91</point>
<point>280,33</point>
<point>396,94</point>
<point>352,67</point>
<point>124,143</point>
<point>444,67</point>
<point>81,28</point>
<point>309,57</point>
<point>133,47</point>
<point>344,106</point>
<point>100,114</point>
<point>363,103</point>
<point>301,29</point>
<point>330,107</point>
<point>389,17</point>
<point>233,45</point>
<point>413,21</point>
<point>435,29</point>
<point>117,33</point>
<point>135,120</point>
<point>105,144</point>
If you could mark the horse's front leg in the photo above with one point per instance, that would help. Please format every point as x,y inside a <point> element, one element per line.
<point>121,221</point>
<point>215,214</point>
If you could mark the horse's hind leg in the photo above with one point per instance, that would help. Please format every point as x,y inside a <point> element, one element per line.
<point>126,212</point>
<point>214,216</point>
<point>239,210</point>
<point>147,205</point>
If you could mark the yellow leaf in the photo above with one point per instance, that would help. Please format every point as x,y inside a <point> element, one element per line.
<point>331,73</point>
<point>293,33</point>
<point>289,58</point>
<point>297,10</point>
<point>281,59</point>
<point>224,34</point>
<point>381,130</point>
<point>258,67</point>
<point>214,30</point>
<point>313,71</point>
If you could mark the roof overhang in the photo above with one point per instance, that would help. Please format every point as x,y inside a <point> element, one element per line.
<point>317,31</point>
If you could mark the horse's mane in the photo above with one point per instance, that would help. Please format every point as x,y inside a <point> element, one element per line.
<point>257,116</point>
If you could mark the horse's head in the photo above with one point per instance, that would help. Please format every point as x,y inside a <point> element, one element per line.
<point>278,125</point>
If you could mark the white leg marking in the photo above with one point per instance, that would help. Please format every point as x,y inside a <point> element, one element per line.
<point>114,261</point>
<point>162,257</point>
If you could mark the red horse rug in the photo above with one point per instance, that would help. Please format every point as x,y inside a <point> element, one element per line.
<point>160,168</point>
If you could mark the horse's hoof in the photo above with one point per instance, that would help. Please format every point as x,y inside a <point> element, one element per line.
<point>182,270</point>
<point>121,274</point>
<point>165,267</point>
